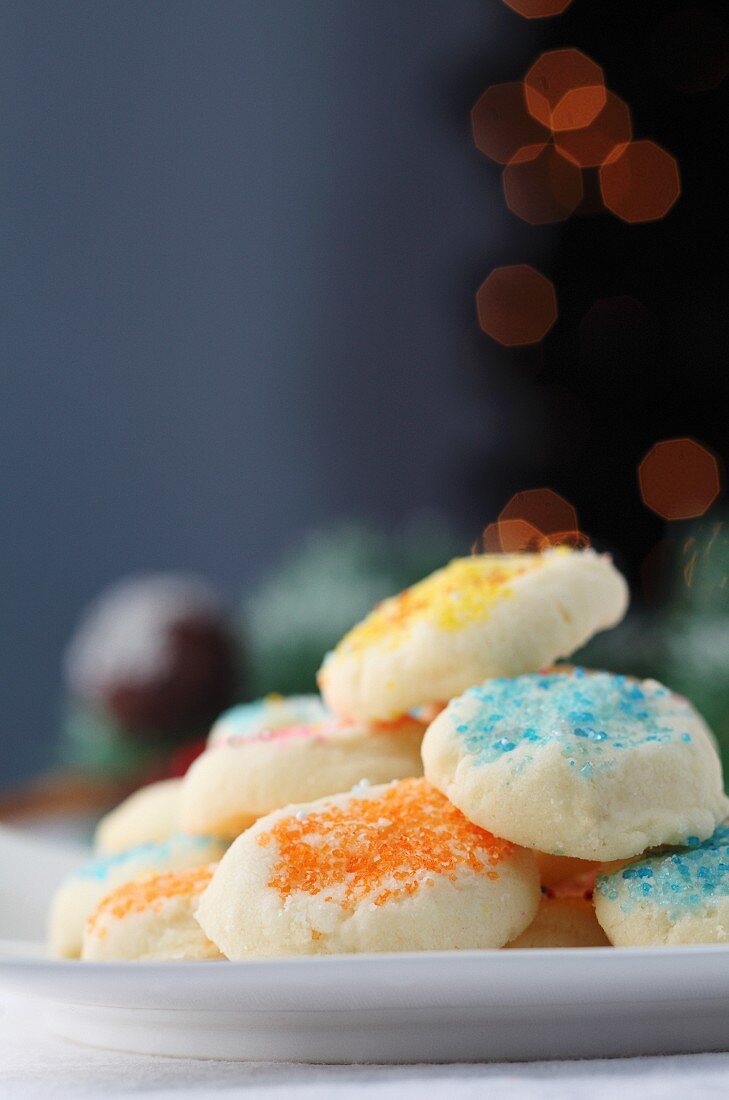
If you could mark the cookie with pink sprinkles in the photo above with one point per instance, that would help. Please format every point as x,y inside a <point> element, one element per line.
<point>236,781</point>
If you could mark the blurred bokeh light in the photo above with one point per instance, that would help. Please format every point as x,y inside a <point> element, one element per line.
<point>691,49</point>
<point>565,89</point>
<point>541,185</point>
<point>502,124</point>
<point>576,540</point>
<point>519,536</point>
<point>544,509</point>
<point>510,536</point>
<point>639,181</point>
<point>516,305</point>
<point>679,479</point>
<point>591,145</point>
<point>538,9</point>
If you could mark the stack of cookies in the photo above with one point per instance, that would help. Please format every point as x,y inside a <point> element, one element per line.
<point>453,788</point>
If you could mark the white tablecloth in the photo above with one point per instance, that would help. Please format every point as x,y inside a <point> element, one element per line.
<point>34,1064</point>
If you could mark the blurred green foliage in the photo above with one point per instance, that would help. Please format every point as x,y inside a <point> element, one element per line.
<point>324,585</point>
<point>683,639</point>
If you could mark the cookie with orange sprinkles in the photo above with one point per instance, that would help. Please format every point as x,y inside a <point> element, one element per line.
<point>487,615</point>
<point>80,892</point>
<point>388,868</point>
<point>151,919</point>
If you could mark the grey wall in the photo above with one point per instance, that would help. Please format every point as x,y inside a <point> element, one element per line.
<point>239,246</point>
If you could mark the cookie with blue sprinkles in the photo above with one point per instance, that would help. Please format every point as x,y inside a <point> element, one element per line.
<point>578,763</point>
<point>272,712</point>
<point>675,896</point>
<point>80,893</point>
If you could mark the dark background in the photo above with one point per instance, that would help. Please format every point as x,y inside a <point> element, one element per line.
<point>240,245</point>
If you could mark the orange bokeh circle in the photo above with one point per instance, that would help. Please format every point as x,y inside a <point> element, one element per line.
<point>565,89</point>
<point>538,9</point>
<point>679,479</point>
<point>544,509</point>
<point>511,536</point>
<point>516,305</point>
<point>576,540</point>
<point>541,185</point>
<point>501,123</point>
<point>590,146</point>
<point>639,181</point>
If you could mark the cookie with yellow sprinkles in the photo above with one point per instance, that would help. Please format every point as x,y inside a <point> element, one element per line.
<point>388,868</point>
<point>487,615</point>
<point>151,919</point>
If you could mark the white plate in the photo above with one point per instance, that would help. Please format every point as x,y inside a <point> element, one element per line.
<point>430,1006</point>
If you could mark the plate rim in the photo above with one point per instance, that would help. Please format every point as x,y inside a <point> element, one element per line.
<point>37,960</point>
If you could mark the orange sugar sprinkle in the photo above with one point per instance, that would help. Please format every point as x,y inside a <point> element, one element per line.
<point>150,892</point>
<point>381,847</point>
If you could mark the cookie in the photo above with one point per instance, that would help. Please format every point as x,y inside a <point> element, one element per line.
<point>675,896</point>
<point>556,869</point>
<point>152,918</point>
<point>234,783</point>
<point>487,615</point>
<point>589,765</point>
<point>389,868</point>
<point>566,916</point>
<point>272,712</point>
<point>148,816</point>
<point>80,893</point>
<point>563,922</point>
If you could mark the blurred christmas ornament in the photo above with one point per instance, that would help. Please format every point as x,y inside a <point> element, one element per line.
<point>152,663</point>
<point>324,585</point>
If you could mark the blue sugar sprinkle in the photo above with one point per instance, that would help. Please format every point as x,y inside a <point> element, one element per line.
<point>678,880</point>
<point>593,718</point>
<point>248,719</point>
<point>244,715</point>
<point>98,869</point>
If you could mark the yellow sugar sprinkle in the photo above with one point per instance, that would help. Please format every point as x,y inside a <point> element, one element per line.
<point>461,593</point>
